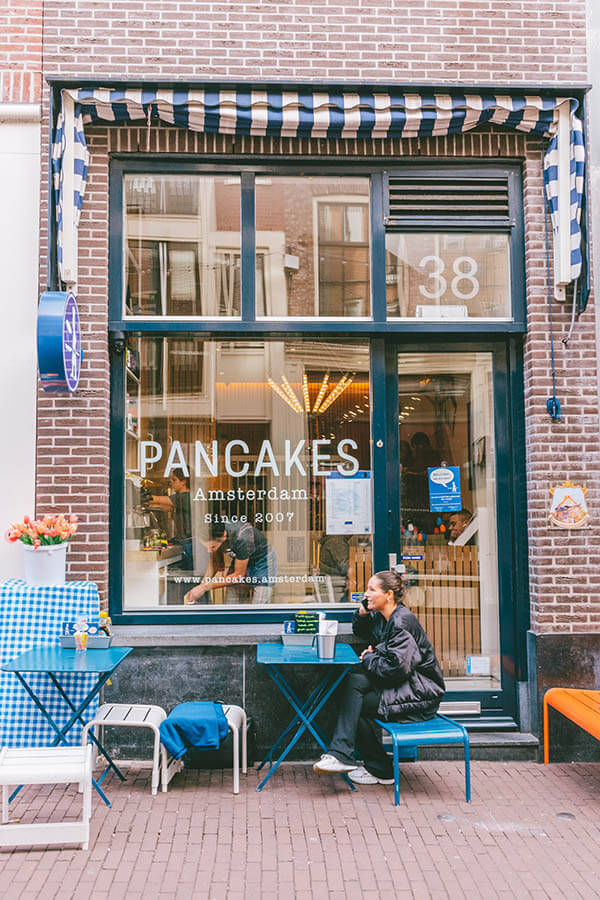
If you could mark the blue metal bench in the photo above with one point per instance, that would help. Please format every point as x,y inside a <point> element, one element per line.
<point>439,730</point>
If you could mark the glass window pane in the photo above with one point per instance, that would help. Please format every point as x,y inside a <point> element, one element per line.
<point>312,236</point>
<point>248,472</point>
<point>182,245</point>
<point>448,511</point>
<point>448,276</point>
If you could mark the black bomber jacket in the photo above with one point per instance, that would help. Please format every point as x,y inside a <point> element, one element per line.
<point>402,665</point>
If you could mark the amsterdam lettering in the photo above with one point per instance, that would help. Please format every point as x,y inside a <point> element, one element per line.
<point>259,494</point>
<point>207,459</point>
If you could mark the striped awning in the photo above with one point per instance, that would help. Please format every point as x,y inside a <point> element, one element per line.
<point>316,114</point>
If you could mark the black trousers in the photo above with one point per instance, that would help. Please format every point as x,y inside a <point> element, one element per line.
<point>355,727</point>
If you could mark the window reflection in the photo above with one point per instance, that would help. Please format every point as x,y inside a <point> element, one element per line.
<point>312,238</point>
<point>182,235</point>
<point>183,246</point>
<point>448,276</point>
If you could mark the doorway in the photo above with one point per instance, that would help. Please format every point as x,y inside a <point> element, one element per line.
<point>451,433</point>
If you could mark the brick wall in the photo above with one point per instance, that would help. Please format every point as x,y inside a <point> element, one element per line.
<point>20,51</point>
<point>420,40</point>
<point>73,430</point>
<point>475,41</point>
<point>564,580</point>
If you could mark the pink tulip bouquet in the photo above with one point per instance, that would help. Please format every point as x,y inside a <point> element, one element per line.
<point>44,532</point>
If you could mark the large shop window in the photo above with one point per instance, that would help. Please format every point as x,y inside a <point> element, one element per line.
<point>248,472</point>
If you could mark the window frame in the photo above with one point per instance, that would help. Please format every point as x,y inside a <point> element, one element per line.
<point>376,328</point>
<point>377,322</point>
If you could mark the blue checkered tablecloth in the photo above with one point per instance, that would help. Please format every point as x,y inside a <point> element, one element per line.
<point>32,616</point>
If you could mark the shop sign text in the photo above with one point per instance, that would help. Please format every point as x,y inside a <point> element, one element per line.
<point>207,458</point>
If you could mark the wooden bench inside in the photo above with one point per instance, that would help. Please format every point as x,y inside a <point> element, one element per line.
<point>581,707</point>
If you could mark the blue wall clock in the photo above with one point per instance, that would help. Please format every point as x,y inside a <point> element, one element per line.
<point>59,342</point>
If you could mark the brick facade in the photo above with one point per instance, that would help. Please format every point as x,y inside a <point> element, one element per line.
<point>469,41</point>
<point>20,51</point>
<point>476,41</point>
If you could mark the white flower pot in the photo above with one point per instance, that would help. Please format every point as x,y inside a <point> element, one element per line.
<point>46,565</point>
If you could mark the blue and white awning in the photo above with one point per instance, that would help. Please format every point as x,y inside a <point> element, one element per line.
<point>315,114</point>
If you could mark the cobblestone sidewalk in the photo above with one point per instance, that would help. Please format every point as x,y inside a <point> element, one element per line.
<point>530,831</point>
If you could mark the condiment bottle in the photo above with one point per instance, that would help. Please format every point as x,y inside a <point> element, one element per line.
<point>105,623</point>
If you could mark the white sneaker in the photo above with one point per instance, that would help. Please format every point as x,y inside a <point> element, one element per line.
<point>329,763</point>
<point>361,776</point>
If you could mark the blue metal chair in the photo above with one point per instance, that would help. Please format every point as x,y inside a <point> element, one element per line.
<point>439,730</point>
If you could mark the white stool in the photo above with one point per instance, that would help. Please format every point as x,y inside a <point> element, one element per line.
<point>236,717</point>
<point>46,765</point>
<point>138,716</point>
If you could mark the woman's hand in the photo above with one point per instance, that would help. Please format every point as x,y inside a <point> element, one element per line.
<point>193,594</point>
<point>368,650</point>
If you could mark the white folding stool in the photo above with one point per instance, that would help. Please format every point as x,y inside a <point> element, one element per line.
<point>46,765</point>
<point>236,719</point>
<point>142,716</point>
<point>136,715</point>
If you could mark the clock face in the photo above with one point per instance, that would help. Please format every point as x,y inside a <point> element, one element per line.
<point>71,340</point>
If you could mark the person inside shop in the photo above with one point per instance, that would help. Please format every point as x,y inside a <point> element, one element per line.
<point>424,456</point>
<point>398,679</point>
<point>415,484</point>
<point>457,524</point>
<point>406,456</point>
<point>334,563</point>
<point>178,504</point>
<point>249,577</point>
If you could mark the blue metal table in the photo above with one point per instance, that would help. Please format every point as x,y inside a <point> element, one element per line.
<point>273,657</point>
<point>54,661</point>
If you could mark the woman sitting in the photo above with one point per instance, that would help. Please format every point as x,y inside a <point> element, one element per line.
<point>398,679</point>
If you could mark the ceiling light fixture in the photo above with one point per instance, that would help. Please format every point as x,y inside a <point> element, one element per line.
<point>305,393</point>
<point>283,396</point>
<point>338,390</point>
<point>321,393</point>
<point>291,393</point>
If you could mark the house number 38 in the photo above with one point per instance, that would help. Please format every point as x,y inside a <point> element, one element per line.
<point>464,268</point>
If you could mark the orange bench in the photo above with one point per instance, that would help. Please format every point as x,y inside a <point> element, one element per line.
<point>581,707</point>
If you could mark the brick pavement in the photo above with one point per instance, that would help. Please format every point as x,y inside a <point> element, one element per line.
<point>308,837</point>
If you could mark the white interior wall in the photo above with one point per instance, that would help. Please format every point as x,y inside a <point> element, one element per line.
<point>19,251</point>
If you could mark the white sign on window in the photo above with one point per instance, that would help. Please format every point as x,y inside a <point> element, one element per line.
<point>348,504</point>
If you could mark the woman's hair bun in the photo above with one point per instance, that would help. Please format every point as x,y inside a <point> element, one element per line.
<point>391,581</point>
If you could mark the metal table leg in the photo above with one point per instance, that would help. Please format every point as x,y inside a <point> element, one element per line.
<point>269,755</point>
<point>62,732</point>
<point>305,714</point>
<point>78,712</point>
